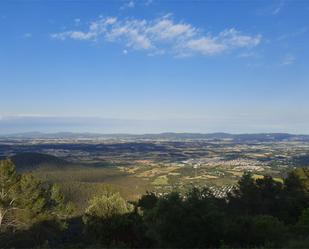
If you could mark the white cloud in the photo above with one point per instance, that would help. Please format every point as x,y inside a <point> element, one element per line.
<point>132,32</point>
<point>165,29</point>
<point>161,35</point>
<point>75,35</point>
<point>234,38</point>
<point>204,45</point>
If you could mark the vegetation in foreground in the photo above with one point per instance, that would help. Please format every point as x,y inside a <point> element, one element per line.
<point>258,213</point>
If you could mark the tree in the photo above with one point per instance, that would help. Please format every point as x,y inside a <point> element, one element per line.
<point>303,174</point>
<point>25,200</point>
<point>302,226</point>
<point>8,185</point>
<point>245,198</point>
<point>147,201</point>
<point>258,230</point>
<point>295,197</point>
<point>192,221</point>
<point>39,201</point>
<point>270,195</point>
<point>106,220</point>
<point>106,206</point>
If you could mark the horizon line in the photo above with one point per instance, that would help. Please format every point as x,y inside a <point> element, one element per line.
<point>152,133</point>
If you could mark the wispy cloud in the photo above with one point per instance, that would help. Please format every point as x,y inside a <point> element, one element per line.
<point>131,4</point>
<point>278,8</point>
<point>288,59</point>
<point>128,4</point>
<point>275,8</point>
<point>294,34</point>
<point>76,21</point>
<point>27,35</point>
<point>248,54</point>
<point>148,2</point>
<point>161,35</point>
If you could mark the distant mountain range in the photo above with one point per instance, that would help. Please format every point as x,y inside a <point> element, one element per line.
<point>259,137</point>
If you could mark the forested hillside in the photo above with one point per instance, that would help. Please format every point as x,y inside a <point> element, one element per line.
<point>261,213</point>
<point>29,161</point>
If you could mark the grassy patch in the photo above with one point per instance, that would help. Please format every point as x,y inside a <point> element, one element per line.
<point>161,180</point>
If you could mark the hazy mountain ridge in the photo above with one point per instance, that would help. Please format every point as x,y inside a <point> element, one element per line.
<point>167,135</point>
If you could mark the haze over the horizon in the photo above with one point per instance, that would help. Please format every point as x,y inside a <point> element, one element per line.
<point>154,66</point>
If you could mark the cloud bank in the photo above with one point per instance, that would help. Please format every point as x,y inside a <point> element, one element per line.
<point>161,35</point>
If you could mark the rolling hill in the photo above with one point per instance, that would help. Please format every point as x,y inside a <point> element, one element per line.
<point>31,161</point>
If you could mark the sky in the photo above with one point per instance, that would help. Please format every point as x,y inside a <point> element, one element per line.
<point>154,66</point>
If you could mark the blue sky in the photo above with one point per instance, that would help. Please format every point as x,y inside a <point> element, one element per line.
<point>154,66</point>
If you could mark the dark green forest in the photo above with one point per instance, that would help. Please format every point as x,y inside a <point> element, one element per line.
<point>258,213</point>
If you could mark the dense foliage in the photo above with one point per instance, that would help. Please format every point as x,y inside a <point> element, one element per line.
<point>258,213</point>
<point>26,205</point>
